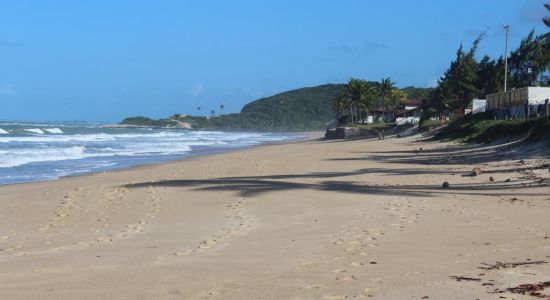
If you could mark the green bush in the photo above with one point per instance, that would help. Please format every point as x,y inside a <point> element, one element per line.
<point>483,128</point>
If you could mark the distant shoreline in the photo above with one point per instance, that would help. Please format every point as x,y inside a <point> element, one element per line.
<point>300,219</point>
<point>197,152</point>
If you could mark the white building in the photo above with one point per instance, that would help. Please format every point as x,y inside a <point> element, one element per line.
<point>519,102</point>
<point>478,105</point>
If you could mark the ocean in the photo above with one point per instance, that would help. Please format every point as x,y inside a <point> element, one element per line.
<point>46,151</point>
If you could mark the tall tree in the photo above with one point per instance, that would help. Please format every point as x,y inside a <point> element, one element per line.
<point>356,92</point>
<point>357,98</point>
<point>384,89</point>
<point>340,104</point>
<point>490,76</point>
<point>443,99</point>
<point>529,60</point>
<point>461,78</point>
<point>396,95</point>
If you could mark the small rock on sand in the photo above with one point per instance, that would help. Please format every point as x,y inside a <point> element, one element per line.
<point>446,184</point>
<point>476,171</point>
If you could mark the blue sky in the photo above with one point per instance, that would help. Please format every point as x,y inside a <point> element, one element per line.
<point>104,60</point>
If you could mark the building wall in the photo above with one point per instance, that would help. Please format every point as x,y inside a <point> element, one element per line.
<point>478,105</point>
<point>512,103</point>
<point>537,95</point>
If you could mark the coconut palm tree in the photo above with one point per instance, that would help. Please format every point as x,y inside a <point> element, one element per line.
<point>355,92</point>
<point>340,104</point>
<point>384,89</point>
<point>360,95</point>
<point>221,108</point>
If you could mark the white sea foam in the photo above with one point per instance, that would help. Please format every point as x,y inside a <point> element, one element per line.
<point>2,131</point>
<point>66,150</point>
<point>20,157</point>
<point>35,130</point>
<point>25,156</point>
<point>99,137</point>
<point>53,130</point>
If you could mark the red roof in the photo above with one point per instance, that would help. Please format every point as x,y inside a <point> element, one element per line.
<point>411,102</point>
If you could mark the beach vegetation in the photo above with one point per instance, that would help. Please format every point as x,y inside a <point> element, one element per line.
<point>483,128</point>
<point>467,78</point>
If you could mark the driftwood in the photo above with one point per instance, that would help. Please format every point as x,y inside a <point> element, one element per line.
<point>501,265</point>
<point>532,289</point>
<point>460,278</point>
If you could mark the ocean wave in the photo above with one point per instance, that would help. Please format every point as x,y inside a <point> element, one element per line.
<point>21,157</point>
<point>53,130</point>
<point>99,137</point>
<point>27,154</point>
<point>58,138</point>
<point>2,131</point>
<point>34,130</point>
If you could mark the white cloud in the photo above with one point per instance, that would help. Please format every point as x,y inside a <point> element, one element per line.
<point>197,90</point>
<point>8,89</point>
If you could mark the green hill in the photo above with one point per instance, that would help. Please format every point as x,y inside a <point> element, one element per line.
<point>302,109</point>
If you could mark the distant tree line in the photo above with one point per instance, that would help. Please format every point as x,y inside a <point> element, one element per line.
<point>467,78</point>
<point>362,98</point>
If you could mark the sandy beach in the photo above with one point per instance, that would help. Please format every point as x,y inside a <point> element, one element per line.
<point>311,219</point>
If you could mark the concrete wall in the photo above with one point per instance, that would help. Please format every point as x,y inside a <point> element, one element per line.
<point>512,103</point>
<point>518,97</point>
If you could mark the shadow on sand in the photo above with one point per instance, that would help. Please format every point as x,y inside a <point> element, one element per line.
<point>459,154</point>
<point>257,185</point>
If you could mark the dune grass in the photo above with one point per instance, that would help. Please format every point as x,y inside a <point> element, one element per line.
<point>482,128</point>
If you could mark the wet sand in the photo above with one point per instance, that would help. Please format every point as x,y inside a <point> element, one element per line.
<point>305,220</point>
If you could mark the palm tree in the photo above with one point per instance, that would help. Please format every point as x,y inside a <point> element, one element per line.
<point>340,104</point>
<point>360,95</point>
<point>384,89</point>
<point>198,109</point>
<point>354,93</point>
<point>213,112</point>
<point>358,98</point>
<point>221,108</point>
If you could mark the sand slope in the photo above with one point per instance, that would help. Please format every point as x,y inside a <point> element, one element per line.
<point>306,220</point>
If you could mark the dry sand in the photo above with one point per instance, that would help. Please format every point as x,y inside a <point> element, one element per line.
<point>307,220</point>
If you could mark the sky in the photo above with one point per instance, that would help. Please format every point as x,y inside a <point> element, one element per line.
<point>104,60</point>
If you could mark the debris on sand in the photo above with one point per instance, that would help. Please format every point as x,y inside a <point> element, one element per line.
<point>491,179</point>
<point>501,265</point>
<point>445,185</point>
<point>531,289</point>
<point>476,171</point>
<point>460,278</point>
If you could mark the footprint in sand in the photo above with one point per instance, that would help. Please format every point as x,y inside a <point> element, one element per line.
<point>315,286</point>
<point>240,223</point>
